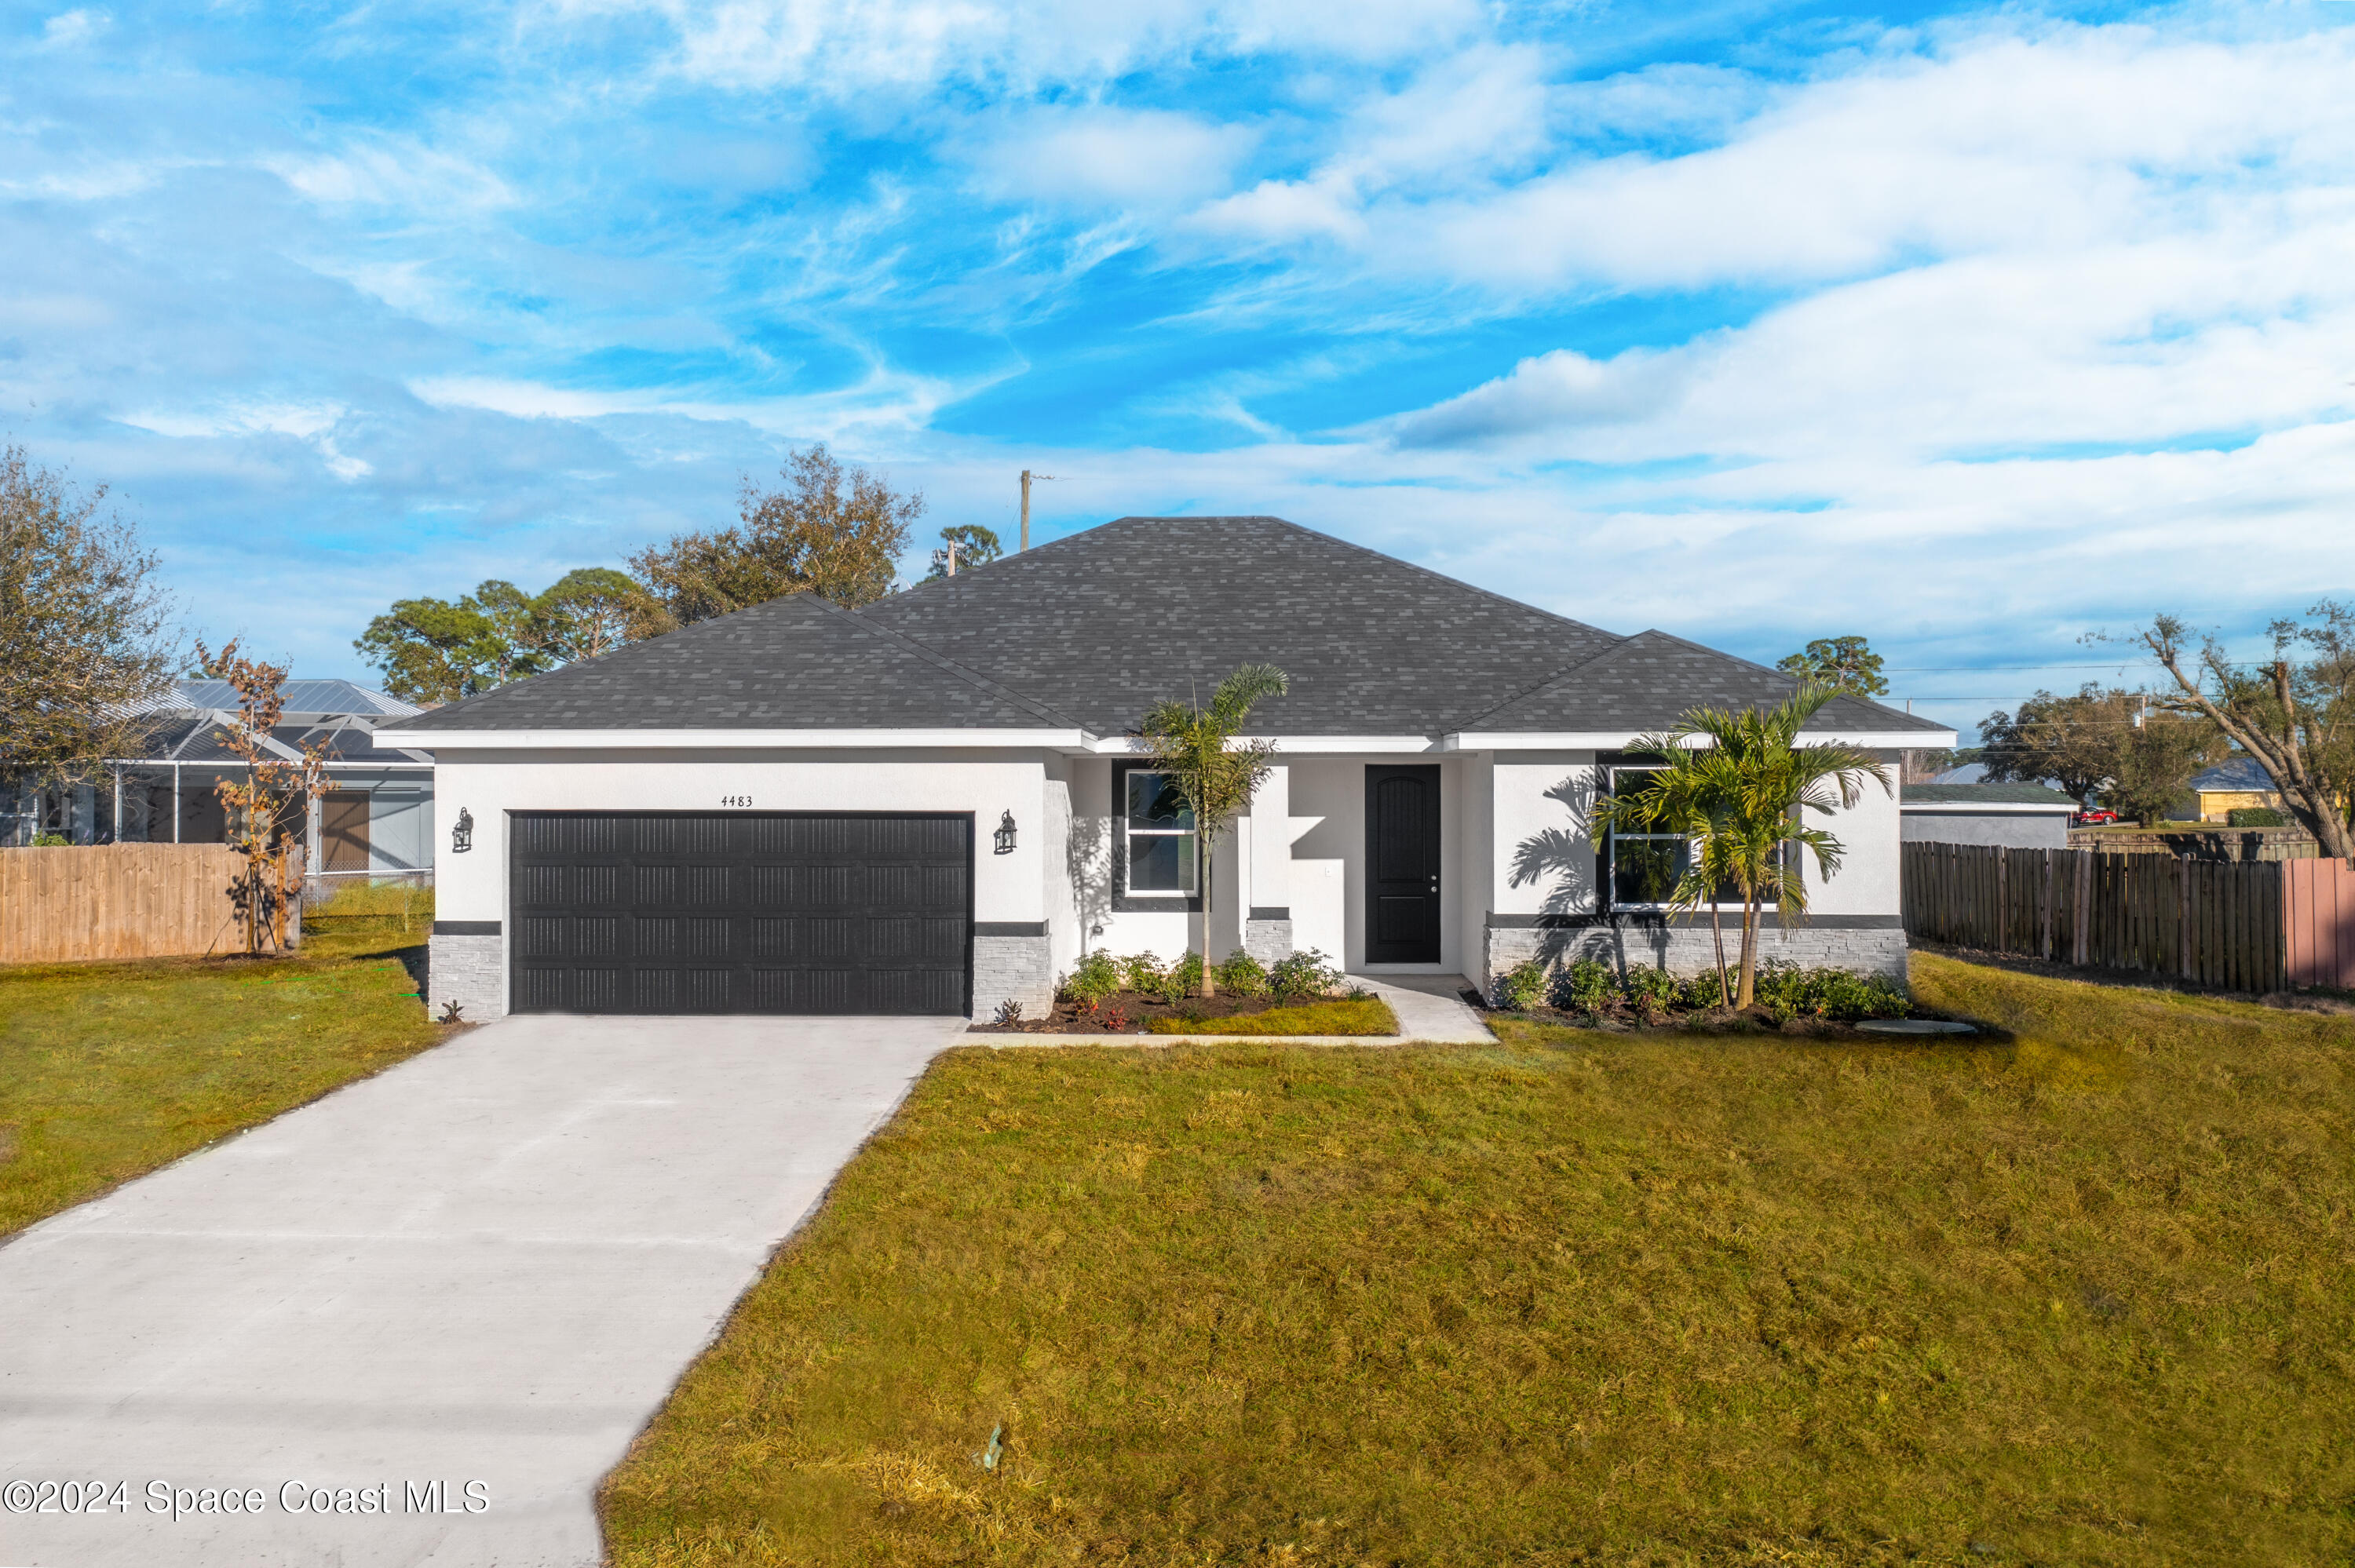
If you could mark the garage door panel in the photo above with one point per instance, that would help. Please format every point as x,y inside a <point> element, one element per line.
<point>658,913</point>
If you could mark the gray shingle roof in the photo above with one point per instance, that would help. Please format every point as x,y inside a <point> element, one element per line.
<point>796,662</point>
<point>1089,630</point>
<point>1984,794</point>
<point>1107,623</point>
<point>2244,774</point>
<point>1645,684</point>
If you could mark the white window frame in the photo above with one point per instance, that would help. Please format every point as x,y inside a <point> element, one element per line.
<point>1129,831</point>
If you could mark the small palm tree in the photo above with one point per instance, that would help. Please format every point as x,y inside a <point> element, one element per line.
<point>1738,785</point>
<point>1213,776</point>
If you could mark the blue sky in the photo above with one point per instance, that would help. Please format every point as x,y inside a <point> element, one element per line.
<point>1970,329</point>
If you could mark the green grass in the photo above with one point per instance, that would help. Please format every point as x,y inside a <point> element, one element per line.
<point>2081,1295</point>
<point>1337,1016</point>
<point>377,909</point>
<point>107,1071</point>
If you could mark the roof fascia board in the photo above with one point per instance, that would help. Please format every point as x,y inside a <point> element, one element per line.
<point>1987,807</point>
<point>440,740</point>
<point>1620,740</point>
<point>1297,745</point>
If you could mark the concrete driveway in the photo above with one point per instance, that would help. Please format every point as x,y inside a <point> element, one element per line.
<point>445,1298</point>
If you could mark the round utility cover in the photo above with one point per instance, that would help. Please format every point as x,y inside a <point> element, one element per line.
<point>1915,1026</point>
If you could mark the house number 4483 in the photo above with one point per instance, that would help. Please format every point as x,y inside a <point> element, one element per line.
<point>735,799</point>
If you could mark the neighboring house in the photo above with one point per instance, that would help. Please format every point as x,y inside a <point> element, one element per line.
<point>1969,773</point>
<point>932,805</point>
<point>376,816</point>
<point>2238,785</point>
<point>2019,816</point>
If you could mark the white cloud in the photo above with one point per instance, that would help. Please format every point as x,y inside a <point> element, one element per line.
<point>399,172</point>
<point>69,29</point>
<point>837,48</point>
<point>2003,141</point>
<point>311,423</point>
<point>1101,156</point>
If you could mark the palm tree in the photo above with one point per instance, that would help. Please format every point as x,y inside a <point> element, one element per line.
<point>1215,779</point>
<point>1738,785</point>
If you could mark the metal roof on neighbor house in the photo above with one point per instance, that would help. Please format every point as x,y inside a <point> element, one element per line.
<point>1089,630</point>
<point>304,698</point>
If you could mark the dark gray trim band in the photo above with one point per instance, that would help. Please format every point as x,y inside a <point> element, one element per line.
<point>1768,920</point>
<point>1271,912</point>
<point>465,928</point>
<point>1009,927</point>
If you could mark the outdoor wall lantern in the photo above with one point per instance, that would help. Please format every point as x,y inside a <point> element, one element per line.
<point>462,833</point>
<point>1005,834</point>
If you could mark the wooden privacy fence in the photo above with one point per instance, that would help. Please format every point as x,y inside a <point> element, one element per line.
<point>117,901</point>
<point>2252,926</point>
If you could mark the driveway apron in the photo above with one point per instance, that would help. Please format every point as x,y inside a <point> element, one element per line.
<point>422,1317</point>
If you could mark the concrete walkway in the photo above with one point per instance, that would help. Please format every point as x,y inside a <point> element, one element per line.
<point>463,1285</point>
<point>1430,1007</point>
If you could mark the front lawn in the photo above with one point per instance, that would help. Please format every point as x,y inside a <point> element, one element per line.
<point>107,1071</point>
<point>2084,1295</point>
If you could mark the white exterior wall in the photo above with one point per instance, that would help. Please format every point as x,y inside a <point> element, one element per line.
<point>1329,859</point>
<point>1871,837</point>
<point>1061,893</point>
<point>1543,860</point>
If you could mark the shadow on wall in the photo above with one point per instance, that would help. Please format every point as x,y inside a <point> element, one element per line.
<point>1562,862</point>
<point>1091,867</point>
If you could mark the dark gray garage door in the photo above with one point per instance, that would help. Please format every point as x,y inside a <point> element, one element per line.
<point>740,912</point>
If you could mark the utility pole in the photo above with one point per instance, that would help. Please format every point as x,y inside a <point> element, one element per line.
<point>1027,477</point>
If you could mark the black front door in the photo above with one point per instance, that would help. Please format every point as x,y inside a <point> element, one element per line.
<point>1403,865</point>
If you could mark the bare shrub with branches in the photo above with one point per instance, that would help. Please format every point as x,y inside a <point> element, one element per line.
<point>258,806</point>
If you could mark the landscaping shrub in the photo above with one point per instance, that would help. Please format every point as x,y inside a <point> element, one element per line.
<point>1143,973</point>
<point>1705,992</point>
<point>1788,991</point>
<point>1240,974</point>
<point>1586,985</point>
<point>1520,987</point>
<point>2256,816</point>
<point>1651,992</point>
<point>1303,977</point>
<point>1184,978</point>
<point>1097,977</point>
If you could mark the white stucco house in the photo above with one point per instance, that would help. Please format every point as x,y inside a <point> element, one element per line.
<point>931,805</point>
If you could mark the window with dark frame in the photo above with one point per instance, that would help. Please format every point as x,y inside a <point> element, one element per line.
<point>1156,837</point>
<point>1642,869</point>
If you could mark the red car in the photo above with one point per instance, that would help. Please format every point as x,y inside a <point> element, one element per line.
<point>2094,819</point>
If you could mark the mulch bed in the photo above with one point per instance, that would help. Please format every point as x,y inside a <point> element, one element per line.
<point>1620,1019</point>
<point>1133,1012</point>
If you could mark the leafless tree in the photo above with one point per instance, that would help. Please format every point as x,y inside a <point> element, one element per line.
<point>86,643</point>
<point>2295,715</point>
